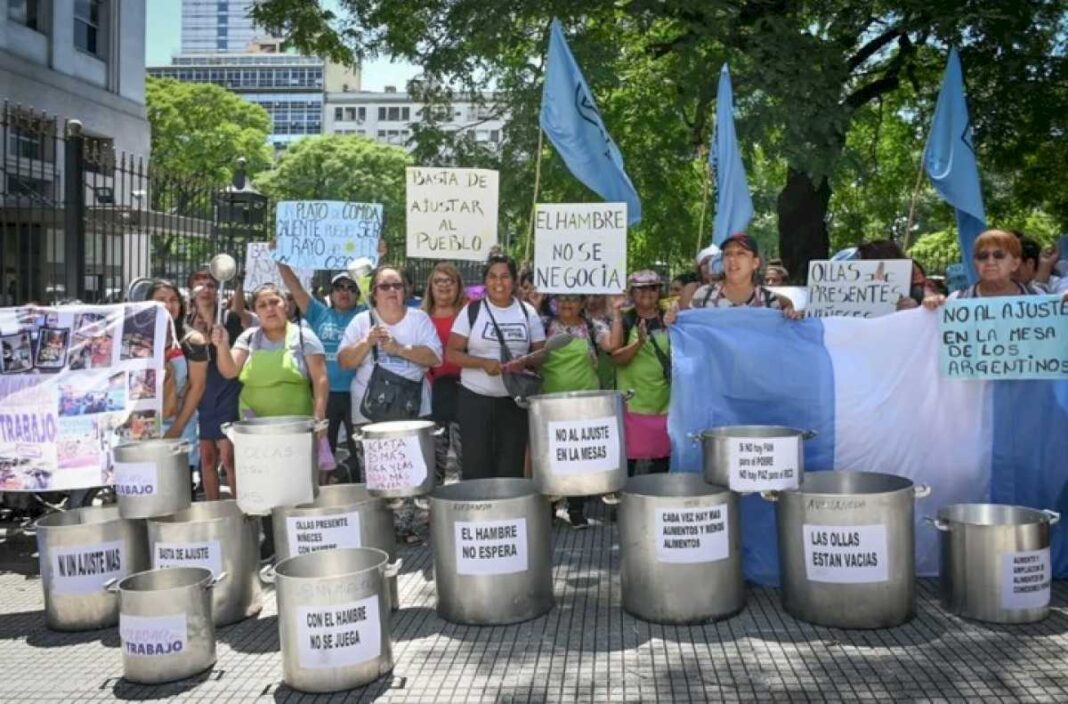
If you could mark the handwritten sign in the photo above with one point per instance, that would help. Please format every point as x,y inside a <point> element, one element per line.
<point>688,535</point>
<point>207,554</point>
<point>491,547</point>
<point>451,213</point>
<point>1025,579</point>
<point>275,470</point>
<point>260,269</point>
<point>326,234</point>
<point>394,463</point>
<point>136,478</point>
<point>580,247</point>
<point>341,635</point>
<point>83,569</point>
<point>857,288</point>
<point>314,533</point>
<point>763,464</point>
<point>845,554</point>
<point>1018,337</point>
<point>584,446</point>
<point>151,636</point>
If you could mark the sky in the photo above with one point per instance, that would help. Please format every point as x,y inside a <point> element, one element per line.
<point>164,39</point>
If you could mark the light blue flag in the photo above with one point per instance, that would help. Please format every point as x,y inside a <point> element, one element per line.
<point>570,118</point>
<point>734,207</point>
<point>949,159</point>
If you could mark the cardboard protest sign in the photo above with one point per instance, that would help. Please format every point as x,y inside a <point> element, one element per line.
<point>1014,337</point>
<point>451,213</point>
<point>857,288</point>
<point>74,382</point>
<point>580,247</point>
<point>261,268</point>
<point>326,234</point>
<point>798,295</point>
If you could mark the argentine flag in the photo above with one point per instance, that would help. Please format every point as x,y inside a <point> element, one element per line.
<point>872,391</point>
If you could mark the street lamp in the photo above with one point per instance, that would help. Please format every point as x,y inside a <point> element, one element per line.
<point>240,203</point>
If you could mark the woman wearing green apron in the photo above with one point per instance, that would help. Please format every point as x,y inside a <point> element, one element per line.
<point>281,365</point>
<point>574,366</point>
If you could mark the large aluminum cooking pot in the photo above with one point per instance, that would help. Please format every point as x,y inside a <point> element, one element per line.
<point>217,536</point>
<point>680,549</point>
<point>754,457</point>
<point>333,619</point>
<point>79,552</point>
<point>996,561</point>
<point>152,477</point>
<point>398,457</point>
<point>577,446</point>
<point>343,516</point>
<point>275,461</point>
<point>847,549</point>
<point>165,623</point>
<point>492,552</point>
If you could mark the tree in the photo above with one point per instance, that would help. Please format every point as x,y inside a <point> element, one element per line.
<point>343,167</point>
<point>199,131</point>
<point>805,75</point>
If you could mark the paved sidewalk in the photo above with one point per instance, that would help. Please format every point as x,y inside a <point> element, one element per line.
<point>585,650</point>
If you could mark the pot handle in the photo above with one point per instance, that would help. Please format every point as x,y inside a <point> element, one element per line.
<point>319,426</point>
<point>227,430</point>
<point>629,394</point>
<point>112,585</point>
<point>939,523</point>
<point>216,579</point>
<point>611,499</point>
<point>438,431</point>
<point>771,495</point>
<point>267,574</point>
<point>1054,517</point>
<point>421,502</point>
<point>922,491</point>
<point>522,402</point>
<point>695,438</point>
<point>180,447</point>
<point>808,434</point>
<point>394,568</point>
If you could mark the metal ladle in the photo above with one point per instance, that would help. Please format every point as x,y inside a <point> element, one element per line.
<point>222,268</point>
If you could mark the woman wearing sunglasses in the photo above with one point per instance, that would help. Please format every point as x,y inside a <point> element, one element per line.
<point>997,257</point>
<point>574,367</point>
<point>444,298</point>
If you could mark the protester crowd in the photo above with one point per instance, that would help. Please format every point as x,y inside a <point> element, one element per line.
<point>463,360</point>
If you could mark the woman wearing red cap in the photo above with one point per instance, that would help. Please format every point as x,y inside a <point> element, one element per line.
<point>741,261</point>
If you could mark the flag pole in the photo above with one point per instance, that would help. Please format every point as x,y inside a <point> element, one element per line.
<point>704,200</point>
<point>537,188</point>
<point>912,203</point>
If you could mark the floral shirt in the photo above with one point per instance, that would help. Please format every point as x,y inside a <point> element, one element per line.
<point>713,296</point>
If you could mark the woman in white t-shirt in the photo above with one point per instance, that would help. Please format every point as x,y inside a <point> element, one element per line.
<point>406,339</point>
<point>493,429</point>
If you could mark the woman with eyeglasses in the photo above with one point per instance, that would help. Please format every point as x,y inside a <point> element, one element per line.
<point>444,298</point>
<point>329,324</point>
<point>643,364</point>
<point>574,367</point>
<point>493,428</point>
<point>997,257</point>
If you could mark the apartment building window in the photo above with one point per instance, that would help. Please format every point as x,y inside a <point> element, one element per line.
<point>362,112</point>
<point>495,135</point>
<point>406,114</point>
<point>25,12</point>
<point>382,114</point>
<point>350,114</point>
<point>87,26</point>
<point>337,113</point>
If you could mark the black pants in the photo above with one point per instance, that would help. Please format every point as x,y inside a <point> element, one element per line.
<point>338,413</point>
<point>658,466</point>
<point>493,433</point>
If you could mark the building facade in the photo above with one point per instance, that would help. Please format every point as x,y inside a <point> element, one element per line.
<point>289,87</point>
<point>389,117</point>
<point>216,26</point>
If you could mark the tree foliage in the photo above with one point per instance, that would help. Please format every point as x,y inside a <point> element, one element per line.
<point>200,130</point>
<point>833,101</point>
<point>343,167</point>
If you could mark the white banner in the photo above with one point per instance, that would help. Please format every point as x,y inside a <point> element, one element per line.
<point>326,234</point>
<point>858,288</point>
<point>451,213</point>
<point>580,247</point>
<point>261,268</point>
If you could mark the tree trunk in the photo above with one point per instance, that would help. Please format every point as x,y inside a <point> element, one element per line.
<point>802,210</point>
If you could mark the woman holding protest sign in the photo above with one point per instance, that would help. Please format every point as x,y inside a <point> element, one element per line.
<point>574,367</point>
<point>487,333</point>
<point>741,262</point>
<point>186,370</point>
<point>642,353</point>
<point>281,365</point>
<point>444,298</point>
<point>997,257</point>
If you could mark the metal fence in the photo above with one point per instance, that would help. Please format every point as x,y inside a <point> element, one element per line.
<point>79,221</point>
